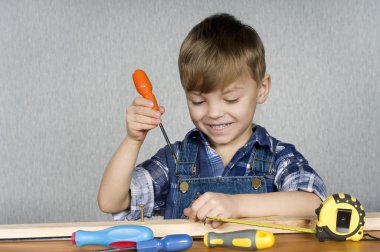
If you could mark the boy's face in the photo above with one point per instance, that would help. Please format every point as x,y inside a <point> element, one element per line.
<point>225,116</point>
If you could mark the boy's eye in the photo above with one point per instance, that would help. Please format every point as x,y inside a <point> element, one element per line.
<point>231,100</point>
<point>197,102</point>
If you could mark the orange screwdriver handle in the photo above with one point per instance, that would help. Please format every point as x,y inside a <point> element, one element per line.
<point>144,87</point>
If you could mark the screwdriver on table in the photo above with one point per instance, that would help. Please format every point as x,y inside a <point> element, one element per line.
<point>176,242</point>
<point>144,88</point>
<point>115,237</point>
<point>127,237</point>
<point>250,239</point>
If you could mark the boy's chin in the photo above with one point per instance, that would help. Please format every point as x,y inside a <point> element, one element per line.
<point>219,140</point>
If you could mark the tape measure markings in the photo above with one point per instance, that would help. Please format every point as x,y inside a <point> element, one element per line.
<point>267,225</point>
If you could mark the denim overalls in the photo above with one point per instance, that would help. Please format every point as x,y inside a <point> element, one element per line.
<point>186,184</point>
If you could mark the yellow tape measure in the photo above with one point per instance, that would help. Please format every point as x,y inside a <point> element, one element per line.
<point>340,217</point>
<point>267,225</point>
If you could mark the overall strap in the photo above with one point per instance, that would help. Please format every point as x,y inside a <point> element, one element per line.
<point>261,160</point>
<point>186,165</point>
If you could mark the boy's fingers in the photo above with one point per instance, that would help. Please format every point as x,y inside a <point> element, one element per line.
<point>143,115</point>
<point>141,101</point>
<point>145,103</point>
<point>215,224</point>
<point>203,212</point>
<point>145,120</point>
<point>198,203</point>
<point>208,211</point>
<point>201,202</point>
<point>141,126</point>
<point>202,215</point>
<point>138,127</point>
<point>201,208</point>
<point>189,213</point>
<point>193,214</point>
<point>140,110</point>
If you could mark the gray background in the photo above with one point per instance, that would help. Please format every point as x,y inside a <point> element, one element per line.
<point>65,81</point>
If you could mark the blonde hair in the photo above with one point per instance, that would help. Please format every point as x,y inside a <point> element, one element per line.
<point>216,51</point>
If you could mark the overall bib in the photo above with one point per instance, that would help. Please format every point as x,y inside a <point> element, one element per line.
<point>186,184</point>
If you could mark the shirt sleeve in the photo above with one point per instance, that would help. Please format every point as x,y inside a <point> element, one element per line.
<point>294,172</point>
<point>149,187</point>
<point>141,194</point>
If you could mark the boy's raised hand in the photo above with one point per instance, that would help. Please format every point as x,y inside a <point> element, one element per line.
<point>141,117</point>
<point>212,204</point>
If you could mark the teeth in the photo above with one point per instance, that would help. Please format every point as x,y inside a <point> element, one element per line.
<point>220,126</point>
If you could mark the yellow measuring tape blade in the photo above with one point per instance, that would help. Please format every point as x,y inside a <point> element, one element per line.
<point>267,225</point>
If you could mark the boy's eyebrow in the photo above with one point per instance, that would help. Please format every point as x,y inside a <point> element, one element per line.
<point>224,91</point>
<point>194,93</point>
<point>234,88</point>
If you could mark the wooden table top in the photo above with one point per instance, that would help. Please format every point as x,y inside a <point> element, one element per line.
<point>284,243</point>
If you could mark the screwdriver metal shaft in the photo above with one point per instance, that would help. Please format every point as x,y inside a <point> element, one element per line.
<point>168,142</point>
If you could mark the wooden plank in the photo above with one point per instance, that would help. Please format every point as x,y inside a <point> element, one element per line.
<point>162,228</point>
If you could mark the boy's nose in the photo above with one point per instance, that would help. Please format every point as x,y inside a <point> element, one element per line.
<point>215,110</point>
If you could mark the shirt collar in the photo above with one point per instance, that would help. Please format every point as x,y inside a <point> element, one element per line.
<point>260,136</point>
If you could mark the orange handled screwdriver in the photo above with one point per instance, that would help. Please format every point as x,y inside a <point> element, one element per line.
<point>144,87</point>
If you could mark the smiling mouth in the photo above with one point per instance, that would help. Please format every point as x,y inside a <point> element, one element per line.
<point>219,126</point>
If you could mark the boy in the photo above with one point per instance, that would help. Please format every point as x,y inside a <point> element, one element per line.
<point>227,166</point>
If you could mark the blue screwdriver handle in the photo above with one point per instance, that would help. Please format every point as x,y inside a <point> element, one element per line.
<point>105,237</point>
<point>175,242</point>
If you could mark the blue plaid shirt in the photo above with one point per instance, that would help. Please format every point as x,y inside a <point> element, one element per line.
<point>150,182</point>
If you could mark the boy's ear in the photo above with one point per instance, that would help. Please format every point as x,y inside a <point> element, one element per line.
<point>264,89</point>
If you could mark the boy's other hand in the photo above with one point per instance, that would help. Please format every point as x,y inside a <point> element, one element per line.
<point>140,117</point>
<point>212,204</point>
